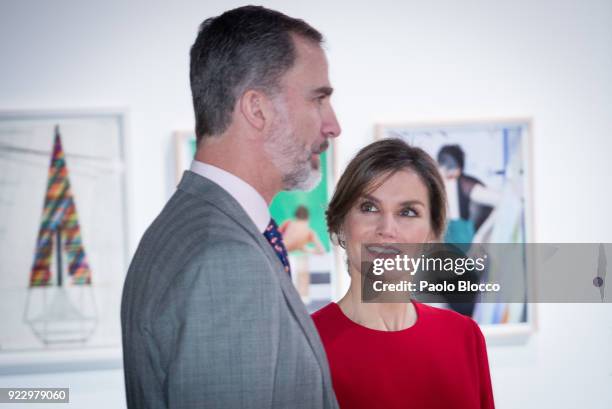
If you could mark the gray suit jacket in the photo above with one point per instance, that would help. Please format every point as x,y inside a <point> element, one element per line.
<point>209,318</point>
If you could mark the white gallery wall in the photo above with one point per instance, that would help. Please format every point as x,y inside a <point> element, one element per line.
<point>411,61</point>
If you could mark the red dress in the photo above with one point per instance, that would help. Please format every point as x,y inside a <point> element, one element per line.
<point>439,362</point>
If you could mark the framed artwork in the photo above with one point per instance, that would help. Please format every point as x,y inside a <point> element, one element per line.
<point>63,229</point>
<point>486,168</point>
<point>301,219</point>
<point>184,151</point>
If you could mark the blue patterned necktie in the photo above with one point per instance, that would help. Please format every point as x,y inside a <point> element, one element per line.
<point>275,238</point>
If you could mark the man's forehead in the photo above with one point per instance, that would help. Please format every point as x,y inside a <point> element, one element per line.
<point>310,66</point>
<point>301,41</point>
<point>308,51</point>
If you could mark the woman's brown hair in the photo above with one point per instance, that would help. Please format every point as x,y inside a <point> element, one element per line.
<point>384,158</point>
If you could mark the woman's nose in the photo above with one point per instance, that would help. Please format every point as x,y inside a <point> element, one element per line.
<point>387,227</point>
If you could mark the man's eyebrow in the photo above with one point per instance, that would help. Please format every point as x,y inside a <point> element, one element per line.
<point>327,91</point>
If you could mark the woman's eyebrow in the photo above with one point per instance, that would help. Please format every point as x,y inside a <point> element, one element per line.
<point>404,203</point>
<point>369,197</point>
<point>413,202</point>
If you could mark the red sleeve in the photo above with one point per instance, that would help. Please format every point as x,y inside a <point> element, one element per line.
<point>486,389</point>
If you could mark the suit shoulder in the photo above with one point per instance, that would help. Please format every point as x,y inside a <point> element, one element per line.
<point>188,219</point>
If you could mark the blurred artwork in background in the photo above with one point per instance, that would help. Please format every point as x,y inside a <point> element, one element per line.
<point>301,219</point>
<point>63,235</point>
<point>486,173</point>
<point>184,151</point>
<point>301,241</point>
<point>57,309</point>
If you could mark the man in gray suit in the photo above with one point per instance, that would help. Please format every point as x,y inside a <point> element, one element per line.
<point>210,318</point>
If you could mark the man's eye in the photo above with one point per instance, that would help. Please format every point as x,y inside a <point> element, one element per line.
<point>367,207</point>
<point>408,212</point>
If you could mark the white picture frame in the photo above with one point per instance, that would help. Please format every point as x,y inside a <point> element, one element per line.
<point>94,146</point>
<point>481,138</point>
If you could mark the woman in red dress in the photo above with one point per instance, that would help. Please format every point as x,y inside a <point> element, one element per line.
<point>407,354</point>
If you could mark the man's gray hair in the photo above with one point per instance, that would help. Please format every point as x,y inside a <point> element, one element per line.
<point>245,48</point>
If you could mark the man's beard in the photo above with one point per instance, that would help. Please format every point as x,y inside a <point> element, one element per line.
<point>292,158</point>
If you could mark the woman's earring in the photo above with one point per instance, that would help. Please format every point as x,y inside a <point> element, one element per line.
<point>341,240</point>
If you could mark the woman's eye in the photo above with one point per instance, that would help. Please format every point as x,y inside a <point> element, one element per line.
<point>408,212</point>
<point>367,207</point>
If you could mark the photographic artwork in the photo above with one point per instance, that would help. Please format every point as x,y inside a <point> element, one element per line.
<point>485,166</point>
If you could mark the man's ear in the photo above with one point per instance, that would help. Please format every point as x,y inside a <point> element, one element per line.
<point>256,108</point>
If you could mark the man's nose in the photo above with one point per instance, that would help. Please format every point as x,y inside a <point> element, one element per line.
<point>331,127</point>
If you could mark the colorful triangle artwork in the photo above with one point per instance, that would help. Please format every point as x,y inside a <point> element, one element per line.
<point>59,227</point>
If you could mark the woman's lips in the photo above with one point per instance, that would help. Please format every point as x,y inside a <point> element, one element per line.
<point>382,251</point>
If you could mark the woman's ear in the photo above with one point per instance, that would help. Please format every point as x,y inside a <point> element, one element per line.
<point>432,238</point>
<point>341,239</point>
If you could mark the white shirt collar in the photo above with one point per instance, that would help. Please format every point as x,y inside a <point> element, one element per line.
<point>251,201</point>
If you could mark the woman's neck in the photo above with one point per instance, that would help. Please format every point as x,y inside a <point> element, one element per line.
<point>379,316</point>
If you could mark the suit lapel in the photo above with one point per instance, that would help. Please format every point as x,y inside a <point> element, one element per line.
<point>224,202</point>
<point>295,303</point>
